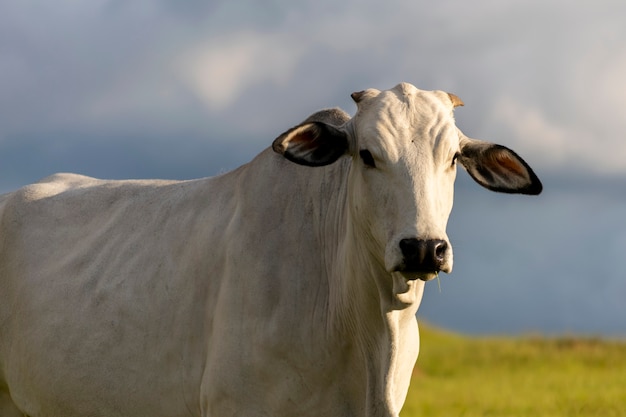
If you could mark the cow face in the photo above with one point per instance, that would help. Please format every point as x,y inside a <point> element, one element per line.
<point>405,147</point>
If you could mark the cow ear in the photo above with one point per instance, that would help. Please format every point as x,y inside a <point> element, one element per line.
<point>312,144</point>
<point>498,168</point>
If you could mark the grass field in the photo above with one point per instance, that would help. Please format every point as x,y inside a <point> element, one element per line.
<point>526,376</point>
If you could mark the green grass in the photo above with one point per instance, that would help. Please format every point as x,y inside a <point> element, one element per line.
<point>526,376</point>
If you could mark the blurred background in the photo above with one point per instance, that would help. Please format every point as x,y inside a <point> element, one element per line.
<point>186,89</point>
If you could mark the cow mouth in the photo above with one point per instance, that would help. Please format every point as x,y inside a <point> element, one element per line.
<point>421,275</point>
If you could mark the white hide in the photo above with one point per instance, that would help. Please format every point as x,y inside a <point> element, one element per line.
<point>273,290</point>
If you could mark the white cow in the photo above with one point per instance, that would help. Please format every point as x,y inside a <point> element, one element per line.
<point>274,290</point>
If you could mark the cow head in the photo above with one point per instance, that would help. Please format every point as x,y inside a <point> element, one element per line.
<point>405,147</point>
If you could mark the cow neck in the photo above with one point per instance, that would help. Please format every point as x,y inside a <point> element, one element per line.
<point>371,310</point>
<point>359,284</point>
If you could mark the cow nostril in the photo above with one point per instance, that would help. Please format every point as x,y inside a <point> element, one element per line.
<point>441,247</point>
<point>409,247</point>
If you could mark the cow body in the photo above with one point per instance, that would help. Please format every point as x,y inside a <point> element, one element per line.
<point>266,291</point>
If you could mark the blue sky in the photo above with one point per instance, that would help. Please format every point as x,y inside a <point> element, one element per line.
<point>167,89</point>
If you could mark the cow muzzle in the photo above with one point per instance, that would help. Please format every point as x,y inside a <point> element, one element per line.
<point>424,258</point>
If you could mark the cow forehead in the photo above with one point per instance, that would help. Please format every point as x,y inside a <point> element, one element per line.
<point>404,114</point>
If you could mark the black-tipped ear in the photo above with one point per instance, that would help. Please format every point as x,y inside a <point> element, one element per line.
<point>312,144</point>
<point>498,168</point>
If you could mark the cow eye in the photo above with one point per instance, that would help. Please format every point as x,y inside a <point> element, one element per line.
<point>455,158</point>
<point>367,158</point>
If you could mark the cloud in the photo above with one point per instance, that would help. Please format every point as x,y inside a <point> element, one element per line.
<point>558,147</point>
<point>573,121</point>
<point>545,77</point>
<point>527,128</point>
<point>223,68</point>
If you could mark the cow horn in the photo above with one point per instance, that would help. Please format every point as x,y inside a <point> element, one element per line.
<point>357,96</point>
<point>456,101</point>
